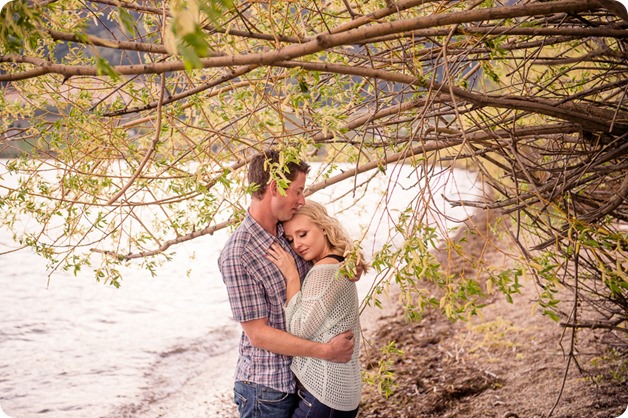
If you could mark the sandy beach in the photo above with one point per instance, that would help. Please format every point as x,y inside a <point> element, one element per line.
<point>208,395</point>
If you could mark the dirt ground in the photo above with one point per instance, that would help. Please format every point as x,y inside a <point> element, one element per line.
<point>510,362</point>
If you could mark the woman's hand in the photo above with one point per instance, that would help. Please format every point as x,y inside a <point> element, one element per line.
<point>284,261</point>
<point>288,267</point>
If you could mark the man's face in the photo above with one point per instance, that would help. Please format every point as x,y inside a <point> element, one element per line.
<point>285,206</point>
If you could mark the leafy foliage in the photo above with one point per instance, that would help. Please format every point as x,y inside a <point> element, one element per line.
<point>382,377</point>
<point>131,125</point>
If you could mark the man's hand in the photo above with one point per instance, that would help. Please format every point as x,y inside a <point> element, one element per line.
<point>341,347</point>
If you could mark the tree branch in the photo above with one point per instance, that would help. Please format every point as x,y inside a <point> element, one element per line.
<point>150,150</point>
<point>397,157</point>
<point>570,112</point>
<point>107,43</point>
<point>320,42</point>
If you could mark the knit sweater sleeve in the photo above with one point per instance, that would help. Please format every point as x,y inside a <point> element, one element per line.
<point>308,310</point>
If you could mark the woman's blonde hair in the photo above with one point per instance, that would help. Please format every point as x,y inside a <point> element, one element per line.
<point>337,237</point>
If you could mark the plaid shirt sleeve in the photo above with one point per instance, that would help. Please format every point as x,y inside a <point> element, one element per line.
<point>246,292</point>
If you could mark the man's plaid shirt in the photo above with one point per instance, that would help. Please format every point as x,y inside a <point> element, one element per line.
<point>257,289</point>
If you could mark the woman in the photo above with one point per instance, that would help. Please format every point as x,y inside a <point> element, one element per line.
<point>325,305</point>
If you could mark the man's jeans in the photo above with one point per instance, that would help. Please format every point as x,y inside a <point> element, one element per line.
<point>257,401</point>
<point>309,406</point>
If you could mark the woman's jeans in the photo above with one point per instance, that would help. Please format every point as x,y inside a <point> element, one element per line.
<point>257,401</point>
<point>310,407</point>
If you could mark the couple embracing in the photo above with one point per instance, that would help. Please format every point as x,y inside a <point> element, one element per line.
<point>298,354</point>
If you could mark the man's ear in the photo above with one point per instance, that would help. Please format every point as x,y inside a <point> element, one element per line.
<point>272,186</point>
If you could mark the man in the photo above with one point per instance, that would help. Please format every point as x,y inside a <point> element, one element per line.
<point>265,385</point>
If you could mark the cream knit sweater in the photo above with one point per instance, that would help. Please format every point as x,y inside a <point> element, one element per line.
<point>326,306</point>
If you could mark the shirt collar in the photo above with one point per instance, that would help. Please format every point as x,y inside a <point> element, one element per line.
<point>260,234</point>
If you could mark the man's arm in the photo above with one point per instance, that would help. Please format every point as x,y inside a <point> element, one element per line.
<point>339,349</point>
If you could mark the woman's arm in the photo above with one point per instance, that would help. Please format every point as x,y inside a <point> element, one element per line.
<point>308,314</point>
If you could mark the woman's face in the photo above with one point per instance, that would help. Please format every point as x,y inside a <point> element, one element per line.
<point>306,238</point>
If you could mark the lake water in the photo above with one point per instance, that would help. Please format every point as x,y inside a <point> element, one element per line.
<point>73,347</point>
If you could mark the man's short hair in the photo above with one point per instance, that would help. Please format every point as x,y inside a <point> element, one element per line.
<point>259,170</point>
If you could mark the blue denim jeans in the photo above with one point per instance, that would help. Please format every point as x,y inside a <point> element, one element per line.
<point>310,407</point>
<point>257,401</point>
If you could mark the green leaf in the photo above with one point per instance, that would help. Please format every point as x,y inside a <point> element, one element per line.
<point>126,20</point>
<point>191,59</point>
<point>103,68</point>
<point>553,316</point>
